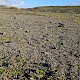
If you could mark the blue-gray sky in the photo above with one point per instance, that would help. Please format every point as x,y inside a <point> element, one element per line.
<point>35,3</point>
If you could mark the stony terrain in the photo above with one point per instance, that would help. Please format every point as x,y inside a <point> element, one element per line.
<point>39,45</point>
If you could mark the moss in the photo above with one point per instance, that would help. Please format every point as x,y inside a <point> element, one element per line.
<point>39,76</point>
<point>55,68</point>
<point>61,78</point>
<point>31,78</point>
<point>5,39</point>
<point>17,72</point>
<point>2,70</point>
<point>41,72</point>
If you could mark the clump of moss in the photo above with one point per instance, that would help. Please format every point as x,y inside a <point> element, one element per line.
<point>1,71</point>
<point>17,73</point>
<point>41,72</point>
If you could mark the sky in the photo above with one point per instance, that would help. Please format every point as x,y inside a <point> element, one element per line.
<point>35,3</point>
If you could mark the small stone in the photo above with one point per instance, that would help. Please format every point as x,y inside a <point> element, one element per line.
<point>27,76</point>
<point>5,64</point>
<point>1,33</point>
<point>47,53</point>
<point>7,41</point>
<point>61,25</point>
<point>14,17</point>
<point>26,31</point>
<point>61,43</point>
<point>50,22</point>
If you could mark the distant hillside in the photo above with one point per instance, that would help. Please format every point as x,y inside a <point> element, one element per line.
<point>7,7</point>
<point>57,9</point>
<point>53,9</point>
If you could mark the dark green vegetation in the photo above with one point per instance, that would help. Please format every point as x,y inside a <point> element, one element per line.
<point>39,45</point>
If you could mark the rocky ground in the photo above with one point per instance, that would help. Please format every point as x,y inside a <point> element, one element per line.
<point>39,45</point>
